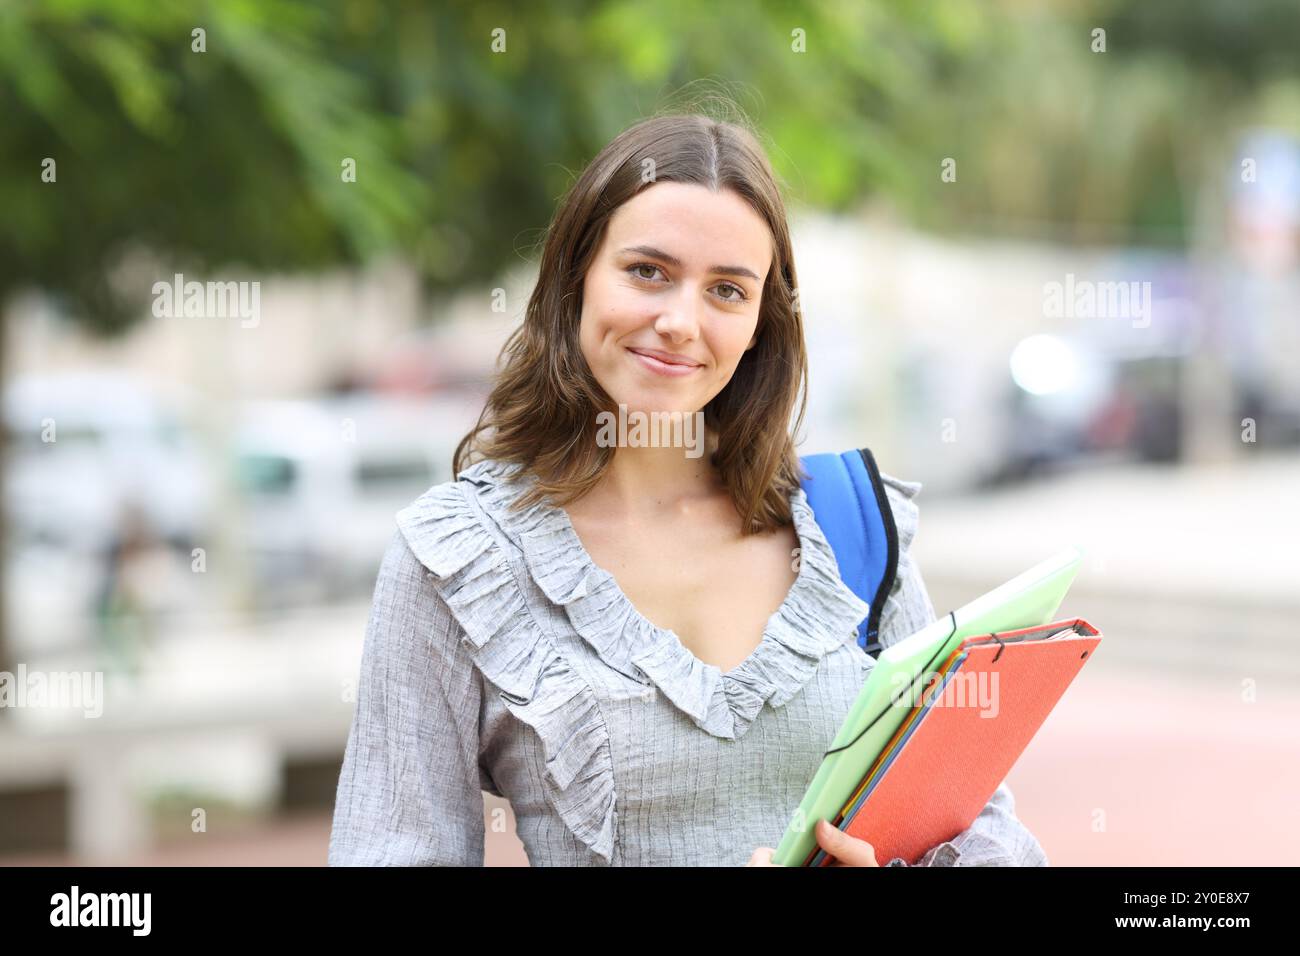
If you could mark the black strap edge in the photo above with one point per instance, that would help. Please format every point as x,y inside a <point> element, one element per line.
<point>891,555</point>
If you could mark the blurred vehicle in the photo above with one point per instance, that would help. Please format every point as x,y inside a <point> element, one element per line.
<point>321,480</point>
<point>1131,407</point>
<point>84,449</point>
<point>100,467</point>
<point>1108,386</point>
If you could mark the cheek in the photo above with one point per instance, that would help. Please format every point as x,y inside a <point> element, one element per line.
<point>604,319</point>
<point>728,344</point>
<point>611,309</point>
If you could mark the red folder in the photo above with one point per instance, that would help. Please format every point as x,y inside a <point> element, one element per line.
<point>985,704</point>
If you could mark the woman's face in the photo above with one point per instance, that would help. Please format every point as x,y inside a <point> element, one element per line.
<point>679,275</point>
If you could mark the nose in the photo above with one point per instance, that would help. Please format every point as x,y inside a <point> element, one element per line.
<point>680,321</point>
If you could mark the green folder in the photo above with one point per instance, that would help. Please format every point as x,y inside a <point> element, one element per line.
<point>886,698</point>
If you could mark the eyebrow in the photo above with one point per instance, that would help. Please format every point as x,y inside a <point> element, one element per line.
<point>654,253</point>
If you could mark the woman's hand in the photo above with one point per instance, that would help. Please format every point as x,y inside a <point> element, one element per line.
<point>842,848</point>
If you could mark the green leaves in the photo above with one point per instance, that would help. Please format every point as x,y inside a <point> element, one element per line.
<point>236,156</point>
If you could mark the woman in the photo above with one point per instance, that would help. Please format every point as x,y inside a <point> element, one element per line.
<point>646,649</point>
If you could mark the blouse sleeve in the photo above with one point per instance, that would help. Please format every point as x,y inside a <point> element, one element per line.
<point>409,790</point>
<point>996,837</point>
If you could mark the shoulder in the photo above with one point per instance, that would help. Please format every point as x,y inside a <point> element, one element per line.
<point>433,538</point>
<point>435,528</point>
<point>451,523</point>
<point>462,537</point>
<point>899,487</point>
<point>908,607</point>
<point>901,495</point>
<point>433,605</point>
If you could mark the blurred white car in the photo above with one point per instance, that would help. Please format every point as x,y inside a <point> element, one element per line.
<point>322,479</point>
<point>83,447</point>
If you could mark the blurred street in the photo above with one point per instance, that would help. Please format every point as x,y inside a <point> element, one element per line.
<point>1156,755</point>
<point>1188,571</point>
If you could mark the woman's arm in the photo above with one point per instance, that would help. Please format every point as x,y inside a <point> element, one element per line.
<point>409,791</point>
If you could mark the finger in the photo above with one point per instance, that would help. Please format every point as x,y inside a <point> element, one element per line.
<point>761,857</point>
<point>847,850</point>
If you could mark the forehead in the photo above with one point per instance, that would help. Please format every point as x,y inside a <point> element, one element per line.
<point>694,224</point>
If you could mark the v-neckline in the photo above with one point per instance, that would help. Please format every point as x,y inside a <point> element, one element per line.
<point>571,532</point>
<point>820,613</point>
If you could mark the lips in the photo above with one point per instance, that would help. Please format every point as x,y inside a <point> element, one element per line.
<point>667,358</point>
<point>664,363</point>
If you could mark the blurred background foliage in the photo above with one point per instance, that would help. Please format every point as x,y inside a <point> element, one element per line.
<point>280,451</point>
<point>233,156</point>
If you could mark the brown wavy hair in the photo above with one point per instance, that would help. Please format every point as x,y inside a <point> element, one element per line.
<point>541,412</point>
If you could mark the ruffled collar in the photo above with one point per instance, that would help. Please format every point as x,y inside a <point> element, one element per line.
<point>819,614</point>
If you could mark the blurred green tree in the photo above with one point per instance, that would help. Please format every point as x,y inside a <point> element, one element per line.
<point>211,137</point>
<point>466,120</point>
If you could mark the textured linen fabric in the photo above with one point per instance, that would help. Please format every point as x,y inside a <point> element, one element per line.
<point>498,656</point>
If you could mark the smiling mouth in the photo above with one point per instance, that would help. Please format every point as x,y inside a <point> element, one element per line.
<point>662,367</point>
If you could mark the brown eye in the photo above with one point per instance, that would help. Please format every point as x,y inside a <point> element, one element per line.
<point>643,265</point>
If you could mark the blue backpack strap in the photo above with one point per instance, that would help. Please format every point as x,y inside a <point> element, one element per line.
<point>848,499</point>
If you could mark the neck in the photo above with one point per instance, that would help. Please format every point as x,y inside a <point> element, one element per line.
<point>658,480</point>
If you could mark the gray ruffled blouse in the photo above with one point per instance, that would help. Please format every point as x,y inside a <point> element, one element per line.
<point>498,656</point>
